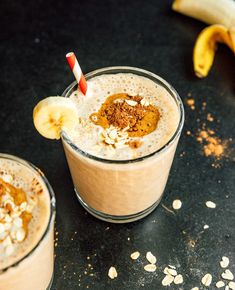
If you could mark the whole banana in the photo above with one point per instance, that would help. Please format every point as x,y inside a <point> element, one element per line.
<point>220,13</point>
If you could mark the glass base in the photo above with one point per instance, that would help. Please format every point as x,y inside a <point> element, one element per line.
<point>114,218</point>
<point>50,284</point>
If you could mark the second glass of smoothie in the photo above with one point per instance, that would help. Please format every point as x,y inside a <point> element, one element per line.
<point>124,180</point>
<point>27,214</point>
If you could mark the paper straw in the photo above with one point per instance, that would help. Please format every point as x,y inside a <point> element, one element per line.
<point>75,67</point>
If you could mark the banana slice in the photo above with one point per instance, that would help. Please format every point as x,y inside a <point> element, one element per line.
<point>52,114</point>
<point>205,47</point>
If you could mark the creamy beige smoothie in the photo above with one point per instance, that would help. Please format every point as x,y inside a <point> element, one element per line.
<point>122,147</point>
<point>27,212</point>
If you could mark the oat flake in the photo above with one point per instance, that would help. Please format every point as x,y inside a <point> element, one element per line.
<point>178,279</point>
<point>231,285</point>
<point>206,280</point>
<point>150,268</point>
<point>210,204</point>
<point>176,204</point>
<point>151,258</point>
<point>112,273</point>
<point>224,262</point>
<point>167,280</point>
<point>220,284</point>
<point>227,275</point>
<point>135,255</point>
<point>169,271</point>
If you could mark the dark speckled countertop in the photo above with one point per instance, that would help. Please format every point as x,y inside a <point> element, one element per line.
<point>34,38</point>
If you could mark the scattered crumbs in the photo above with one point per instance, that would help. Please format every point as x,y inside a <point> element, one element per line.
<point>209,118</point>
<point>227,275</point>
<point>135,255</point>
<point>188,133</point>
<point>212,145</point>
<point>210,204</point>
<point>88,257</point>
<point>128,239</point>
<point>206,280</point>
<point>150,268</point>
<point>107,228</point>
<point>176,204</point>
<point>206,227</point>
<point>112,273</point>
<point>224,262</point>
<point>191,103</point>
<point>182,154</point>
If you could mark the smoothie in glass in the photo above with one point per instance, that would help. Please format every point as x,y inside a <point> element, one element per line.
<point>122,146</point>
<point>27,213</point>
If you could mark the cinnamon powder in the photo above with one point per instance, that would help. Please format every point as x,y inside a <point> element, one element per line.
<point>124,111</point>
<point>213,146</point>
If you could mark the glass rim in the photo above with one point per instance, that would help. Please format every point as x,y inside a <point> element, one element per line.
<point>127,69</point>
<point>52,205</point>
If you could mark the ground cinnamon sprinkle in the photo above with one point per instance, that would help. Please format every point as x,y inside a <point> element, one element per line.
<point>191,103</point>
<point>213,146</point>
<point>131,112</point>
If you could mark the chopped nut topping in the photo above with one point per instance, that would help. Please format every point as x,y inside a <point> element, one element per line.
<point>145,102</point>
<point>131,103</point>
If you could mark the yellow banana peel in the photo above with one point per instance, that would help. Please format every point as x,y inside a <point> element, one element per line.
<point>220,13</point>
<point>205,47</point>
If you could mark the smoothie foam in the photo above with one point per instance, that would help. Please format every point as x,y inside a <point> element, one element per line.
<point>86,135</point>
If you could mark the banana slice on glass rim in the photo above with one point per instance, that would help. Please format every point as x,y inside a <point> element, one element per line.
<point>52,114</point>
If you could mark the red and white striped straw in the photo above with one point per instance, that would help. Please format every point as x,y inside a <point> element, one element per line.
<point>75,67</point>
